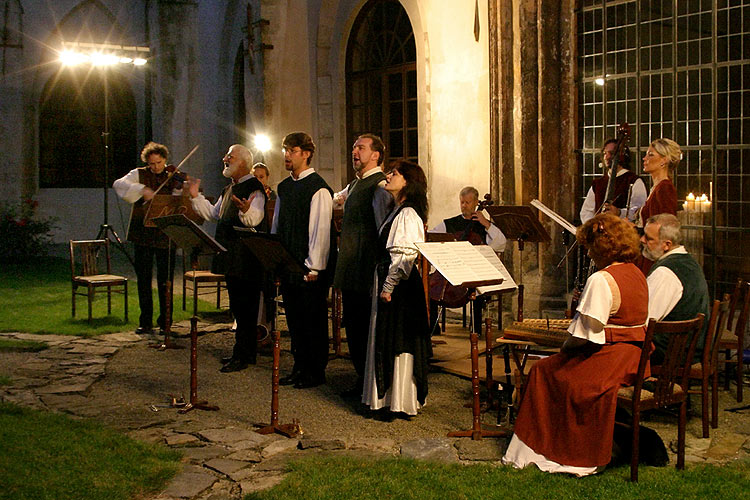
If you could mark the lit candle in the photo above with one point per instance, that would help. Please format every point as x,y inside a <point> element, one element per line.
<point>704,204</point>
<point>690,202</point>
<point>710,190</point>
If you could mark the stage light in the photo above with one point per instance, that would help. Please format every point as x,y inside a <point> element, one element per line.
<point>262,143</point>
<point>99,59</point>
<point>599,81</point>
<point>102,54</point>
<point>70,58</point>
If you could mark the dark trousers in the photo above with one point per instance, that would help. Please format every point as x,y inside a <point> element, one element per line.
<point>244,296</point>
<point>357,308</point>
<point>306,307</point>
<point>144,264</point>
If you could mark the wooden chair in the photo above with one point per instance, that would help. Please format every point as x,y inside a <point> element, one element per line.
<point>733,337</point>
<point>201,279</point>
<point>84,272</point>
<point>707,368</point>
<point>669,385</point>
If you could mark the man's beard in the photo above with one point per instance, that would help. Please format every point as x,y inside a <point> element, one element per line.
<point>228,171</point>
<point>652,254</point>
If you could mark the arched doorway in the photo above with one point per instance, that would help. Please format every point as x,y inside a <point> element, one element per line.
<point>71,123</point>
<point>381,79</point>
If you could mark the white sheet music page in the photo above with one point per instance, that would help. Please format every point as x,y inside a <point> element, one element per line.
<point>459,261</point>
<point>491,256</point>
<point>554,216</point>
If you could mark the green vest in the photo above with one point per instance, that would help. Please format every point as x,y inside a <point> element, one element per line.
<point>694,298</point>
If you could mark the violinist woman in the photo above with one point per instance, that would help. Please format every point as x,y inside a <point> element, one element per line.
<point>139,186</point>
<point>566,420</point>
<point>398,343</point>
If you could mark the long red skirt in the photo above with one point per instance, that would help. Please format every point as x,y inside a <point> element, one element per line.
<point>568,409</point>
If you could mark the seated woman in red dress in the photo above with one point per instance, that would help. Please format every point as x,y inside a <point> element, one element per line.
<point>566,420</point>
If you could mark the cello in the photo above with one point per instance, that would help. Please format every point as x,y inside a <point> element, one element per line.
<point>455,295</point>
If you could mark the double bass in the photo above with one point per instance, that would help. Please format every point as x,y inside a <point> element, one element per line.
<point>455,295</point>
<point>585,266</point>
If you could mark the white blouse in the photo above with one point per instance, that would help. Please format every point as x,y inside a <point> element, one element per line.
<point>594,308</point>
<point>407,229</point>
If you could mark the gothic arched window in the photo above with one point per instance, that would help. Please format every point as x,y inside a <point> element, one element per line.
<point>71,124</point>
<point>381,78</point>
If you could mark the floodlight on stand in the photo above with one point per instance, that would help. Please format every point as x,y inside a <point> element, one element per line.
<point>102,56</point>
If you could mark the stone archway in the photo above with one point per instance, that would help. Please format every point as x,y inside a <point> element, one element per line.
<point>381,79</point>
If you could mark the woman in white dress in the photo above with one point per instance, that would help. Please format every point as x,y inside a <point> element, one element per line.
<point>399,343</point>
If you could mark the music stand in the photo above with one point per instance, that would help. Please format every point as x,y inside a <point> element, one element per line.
<point>476,432</point>
<point>188,236</point>
<point>425,268</point>
<point>519,223</point>
<point>277,261</point>
<point>336,297</point>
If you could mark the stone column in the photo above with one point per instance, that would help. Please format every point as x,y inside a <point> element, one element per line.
<point>532,130</point>
<point>175,46</point>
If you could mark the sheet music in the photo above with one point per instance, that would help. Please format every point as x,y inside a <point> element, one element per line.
<point>554,216</point>
<point>491,256</point>
<point>459,261</point>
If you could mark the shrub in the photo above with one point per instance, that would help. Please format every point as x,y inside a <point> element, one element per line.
<point>23,234</point>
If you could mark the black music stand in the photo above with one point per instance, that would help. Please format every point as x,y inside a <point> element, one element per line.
<point>519,223</point>
<point>188,236</point>
<point>277,261</point>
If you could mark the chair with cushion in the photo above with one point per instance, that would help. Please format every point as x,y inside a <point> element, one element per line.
<point>85,259</point>
<point>707,369</point>
<point>668,387</point>
<point>733,337</point>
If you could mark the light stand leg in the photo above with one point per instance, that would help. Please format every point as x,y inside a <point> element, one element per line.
<point>105,229</point>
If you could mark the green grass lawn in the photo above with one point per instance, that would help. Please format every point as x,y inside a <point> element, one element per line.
<point>347,478</point>
<point>13,345</point>
<point>51,456</point>
<point>35,298</point>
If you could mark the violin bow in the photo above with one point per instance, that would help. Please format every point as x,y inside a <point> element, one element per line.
<point>177,168</point>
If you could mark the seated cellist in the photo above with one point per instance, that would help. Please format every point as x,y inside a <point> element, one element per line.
<point>470,225</point>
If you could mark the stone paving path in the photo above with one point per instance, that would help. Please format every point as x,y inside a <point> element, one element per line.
<point>229,462</point>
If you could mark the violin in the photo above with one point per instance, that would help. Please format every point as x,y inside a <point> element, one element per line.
<point>176,174</point>
<point>456,295</point>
